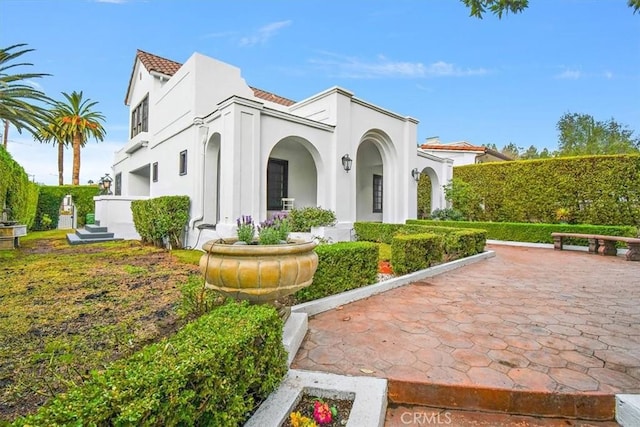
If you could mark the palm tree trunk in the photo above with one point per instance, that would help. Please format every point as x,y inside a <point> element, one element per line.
<point>60,164</point>
<point>5,136</point>
<point>77,141</point>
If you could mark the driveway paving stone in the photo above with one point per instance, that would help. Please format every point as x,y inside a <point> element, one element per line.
<point>527,319</point>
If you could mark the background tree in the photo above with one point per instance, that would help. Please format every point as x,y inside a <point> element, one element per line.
<point>75,121</point>
<point>20,103</point>
<point>511,150</point>
<point>581,134</point>
<point>498,7</point>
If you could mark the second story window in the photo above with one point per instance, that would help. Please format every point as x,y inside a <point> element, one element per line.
<point>140,117</point>
<point>154,172</point>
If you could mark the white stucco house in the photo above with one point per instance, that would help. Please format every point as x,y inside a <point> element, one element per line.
<point>199,129</point>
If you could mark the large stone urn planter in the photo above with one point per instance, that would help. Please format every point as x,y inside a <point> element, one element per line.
<point>258,273</point>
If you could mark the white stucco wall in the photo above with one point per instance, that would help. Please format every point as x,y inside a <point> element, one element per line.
<point>208,104</point>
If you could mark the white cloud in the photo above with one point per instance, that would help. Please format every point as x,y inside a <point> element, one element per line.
<point>608,75</point>
<point>570,74</point>
<point>352,67</point>
<point>265,33</point>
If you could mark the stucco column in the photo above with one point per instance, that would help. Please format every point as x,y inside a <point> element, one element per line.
<point>240,180</point>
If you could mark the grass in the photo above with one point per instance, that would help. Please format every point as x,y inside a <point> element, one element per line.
<point>67,310</point>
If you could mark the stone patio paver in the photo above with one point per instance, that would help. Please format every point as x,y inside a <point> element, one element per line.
<point>528,319</point>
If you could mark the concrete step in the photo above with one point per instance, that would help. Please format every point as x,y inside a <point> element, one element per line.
<point>86,234</point>
<point>93,228</point>
<point>73,239</point>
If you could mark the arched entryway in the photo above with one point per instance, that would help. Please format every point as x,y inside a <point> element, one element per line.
<point>212,180</point>
<point>293,167</point>
<point>373,199</point>
<point>429,191</point>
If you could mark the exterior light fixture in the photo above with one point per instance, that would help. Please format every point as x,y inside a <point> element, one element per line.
<point>101,185</point>
<point>346,163</point>
<point>415,173</point>
<point>106,184</point>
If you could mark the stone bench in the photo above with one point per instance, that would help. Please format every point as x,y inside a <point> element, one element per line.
<point>602,245</point>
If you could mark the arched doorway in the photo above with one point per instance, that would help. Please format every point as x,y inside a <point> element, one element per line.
<point>292,173</point>
<point>212,180</point>
<point>428,193</point>
<point>375,170</point>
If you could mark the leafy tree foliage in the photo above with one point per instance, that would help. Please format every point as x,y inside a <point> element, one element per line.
<point>498,7</point>
<point>21,104</point>
<point>581,134</point>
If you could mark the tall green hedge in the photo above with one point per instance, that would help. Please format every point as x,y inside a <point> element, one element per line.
<point>16,191</point>
<point>161,220</point>
<point>341,267</point>
<point>49,203</point>
<point>533,233</point>
<point>213,372</point>
<point>594,189</point>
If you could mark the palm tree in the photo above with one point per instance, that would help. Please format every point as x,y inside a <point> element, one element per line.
<point>18,98</point>
<point>48,134</point>
<point>75,121</point>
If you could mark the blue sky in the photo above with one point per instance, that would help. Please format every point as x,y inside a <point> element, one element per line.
<point>483,81</point>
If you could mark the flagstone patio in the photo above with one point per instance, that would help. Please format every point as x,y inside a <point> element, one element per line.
<point>529,330</point>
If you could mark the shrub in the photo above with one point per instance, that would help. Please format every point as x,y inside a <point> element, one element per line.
<point>212,372</point>
<point>376,232</point>
<point>593,189</point>
<point>413,252</point>
<point>341,267</point>
<point>161,221</point>
<point>302,219</point>
<point>534,233</point>
<point>447,214</point>
<point>16,191</point>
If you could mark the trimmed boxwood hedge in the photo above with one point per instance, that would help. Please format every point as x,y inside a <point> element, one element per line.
<point>594,189</point>
<point>454,243</point>
<point>212,372</point>
<point>160,219</point>
<point>413,252</point>
<point>533,233</point>
<point>341,267</point>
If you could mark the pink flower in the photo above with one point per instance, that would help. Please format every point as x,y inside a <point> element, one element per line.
<point>322,413</point>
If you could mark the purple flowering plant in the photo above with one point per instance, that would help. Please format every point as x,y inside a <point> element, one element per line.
<point>246,229</point>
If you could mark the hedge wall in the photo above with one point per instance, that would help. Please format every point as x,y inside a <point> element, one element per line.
<point>160,219</point>
<point>16,191</point>
<point>341,267</point>
<point>415,246</point>
<point>594,189</point>
<point>213,372</point>
<point>534,233</point>
<point>49,204</point>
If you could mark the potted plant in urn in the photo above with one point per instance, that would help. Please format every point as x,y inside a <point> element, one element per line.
<point>259,270</point>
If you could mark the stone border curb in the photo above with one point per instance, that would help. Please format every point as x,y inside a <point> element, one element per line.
<point>628,409</point>
<point>333,301</point>
<point>369,398</point>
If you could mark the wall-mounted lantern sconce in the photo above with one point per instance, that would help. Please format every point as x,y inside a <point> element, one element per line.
<point>346,162</point>
<point>105,185</point>
<point>415,173</point>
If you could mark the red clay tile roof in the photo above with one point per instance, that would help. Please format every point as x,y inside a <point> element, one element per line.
<point>465,148</point>
<point>157,63</point>
<point>168,67</point>
<point>268,96</point>
<point>452,147</point>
